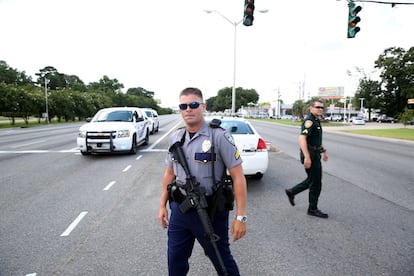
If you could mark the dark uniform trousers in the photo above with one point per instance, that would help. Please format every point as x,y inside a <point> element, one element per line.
<point>313,182</point>
<point>182,231</point>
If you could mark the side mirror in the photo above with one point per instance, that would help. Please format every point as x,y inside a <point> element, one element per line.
<point>233,129</point>
<point>88,120</point>
<point>140,119</point>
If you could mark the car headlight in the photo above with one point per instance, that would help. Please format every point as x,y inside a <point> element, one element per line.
<point>123,133</point>
<point>82,134</point>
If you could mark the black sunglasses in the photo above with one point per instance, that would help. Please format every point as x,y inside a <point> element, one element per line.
<point>319,107</point>
<point>192,105</point>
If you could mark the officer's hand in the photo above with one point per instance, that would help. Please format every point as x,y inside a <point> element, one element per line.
<point>163,217</point>
<point>325,157</point>
<point>238,229</point>
<point>307,163</point>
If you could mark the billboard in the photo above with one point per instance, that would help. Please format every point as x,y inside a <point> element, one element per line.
<point>331,92</point>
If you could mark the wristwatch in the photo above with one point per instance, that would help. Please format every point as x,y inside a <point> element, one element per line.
<point>242,219</point>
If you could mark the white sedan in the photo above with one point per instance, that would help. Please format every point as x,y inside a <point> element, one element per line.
<point>358,121</point>
<point>251,145</point>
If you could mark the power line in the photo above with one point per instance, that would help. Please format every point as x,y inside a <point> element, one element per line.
<point>393,4</point>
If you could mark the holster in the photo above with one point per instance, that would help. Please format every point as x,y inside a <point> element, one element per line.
<point>176,193</point>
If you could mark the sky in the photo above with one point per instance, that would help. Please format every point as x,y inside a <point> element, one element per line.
<point>165,46</point>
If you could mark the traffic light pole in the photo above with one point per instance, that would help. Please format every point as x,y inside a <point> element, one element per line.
<point>233,91</point>
<point>235,24</point>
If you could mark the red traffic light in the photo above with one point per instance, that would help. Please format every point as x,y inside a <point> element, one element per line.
<point>248,12</point>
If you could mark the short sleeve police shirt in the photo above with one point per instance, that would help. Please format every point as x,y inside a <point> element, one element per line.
<point>198,152</point>
<point>311,127</point>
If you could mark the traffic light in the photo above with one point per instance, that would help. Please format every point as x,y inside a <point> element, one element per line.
<point>353,19</point>
<point>248,12</point>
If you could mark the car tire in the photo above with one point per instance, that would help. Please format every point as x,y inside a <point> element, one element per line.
<point>84,153</point>
<point>134,145</point>
<point>146,141</point>
<point>257,176</point>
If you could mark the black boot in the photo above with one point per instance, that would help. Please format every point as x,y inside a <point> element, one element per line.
<point>290,196</point>
<point>317,213</point>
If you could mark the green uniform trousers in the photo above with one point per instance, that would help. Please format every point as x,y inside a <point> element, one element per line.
<point>313,182</point>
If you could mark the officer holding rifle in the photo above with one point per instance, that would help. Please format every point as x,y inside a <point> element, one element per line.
<point>196,186</point>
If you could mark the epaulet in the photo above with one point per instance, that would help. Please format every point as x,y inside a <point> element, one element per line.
<point>215,123</point>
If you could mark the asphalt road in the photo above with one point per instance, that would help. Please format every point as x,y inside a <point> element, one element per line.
<point>66,214</point>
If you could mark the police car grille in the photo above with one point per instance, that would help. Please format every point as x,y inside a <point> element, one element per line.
<point>101,135</point>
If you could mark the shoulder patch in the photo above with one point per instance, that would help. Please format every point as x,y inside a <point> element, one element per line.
<point>229,137</point>
<point>308,123</point>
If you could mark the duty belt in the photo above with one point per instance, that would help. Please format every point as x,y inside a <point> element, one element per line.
<point>315,148</point>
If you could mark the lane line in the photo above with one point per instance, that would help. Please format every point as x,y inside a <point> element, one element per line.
<point>25,151</point>
<point>165,135</point>
<point>28,144</point>
<point>154,150</point>
<point>127,168</point>
<point>73,224</point>
<point>139,157</point>
<point>109,185</point>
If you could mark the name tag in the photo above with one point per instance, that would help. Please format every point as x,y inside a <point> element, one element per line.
<point>204,157</point>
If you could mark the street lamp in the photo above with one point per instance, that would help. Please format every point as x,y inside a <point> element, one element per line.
<point>235,24</point>
<point>47,111</point>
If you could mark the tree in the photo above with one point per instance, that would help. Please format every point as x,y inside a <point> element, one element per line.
<point>369,91</point>
<point>139,91</point>
<point>56,80</point>
<point>75,83</point>
<point>12,76</point>
<point>223,100</point>
<point>299,108</point>
<point>397,74</point>
<point>106,86</point>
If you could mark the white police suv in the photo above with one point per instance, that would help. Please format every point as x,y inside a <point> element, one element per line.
<point>114,129</point>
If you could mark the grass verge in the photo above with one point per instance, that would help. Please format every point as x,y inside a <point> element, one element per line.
<point>397,133</point>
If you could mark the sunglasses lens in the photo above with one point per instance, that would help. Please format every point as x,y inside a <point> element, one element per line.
<point>194,105</point>
<point>182,106</point>
<point>319,107</point>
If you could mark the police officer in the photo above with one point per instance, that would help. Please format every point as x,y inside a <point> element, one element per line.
<point>310,141</point>
<point>183,228</point>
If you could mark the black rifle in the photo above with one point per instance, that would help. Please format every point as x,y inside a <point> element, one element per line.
<point>196,199</point>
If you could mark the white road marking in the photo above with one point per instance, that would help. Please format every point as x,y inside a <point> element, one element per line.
<point>28,144</point>
<point>162,137</point>
<point>109,185</point>
<point>31,274</point>
<point>139,157</point>
<point>24,151</point>
<point>127,168</point>
<point>73,224</point>
<point>75,150</point>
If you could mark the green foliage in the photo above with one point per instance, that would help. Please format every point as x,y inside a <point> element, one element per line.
<point>9,75</point>
<point>406,116</point>
<point>223,100</point>
<point>397,74</point>
<point>68,96</point>
<point>299,108</point>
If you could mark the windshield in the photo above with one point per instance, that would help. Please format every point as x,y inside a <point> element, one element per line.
<point>236,127</point>
<point>113,116</point>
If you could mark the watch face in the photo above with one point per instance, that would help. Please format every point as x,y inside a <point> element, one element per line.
<point>242,219</point>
